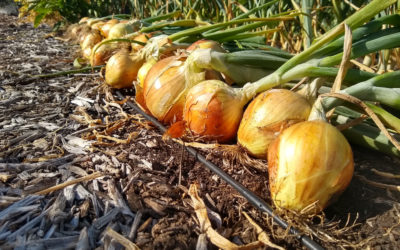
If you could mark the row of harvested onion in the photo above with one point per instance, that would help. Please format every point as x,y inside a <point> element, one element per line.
<point>309,160</point>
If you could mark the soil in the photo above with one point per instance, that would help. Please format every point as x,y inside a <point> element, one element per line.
<point>54,130</point>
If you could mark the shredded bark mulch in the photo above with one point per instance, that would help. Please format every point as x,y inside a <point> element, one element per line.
<point>72,129</point>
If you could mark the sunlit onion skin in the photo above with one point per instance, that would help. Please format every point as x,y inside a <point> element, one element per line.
<point>267,115</point>
<point>98,25</point>
<point>122,69</point>
<point>121,29</point>
<point>164,89</point>
<point>309,162</point>
<point>105,29</point>
<point>213,110</point>
<point>102,52</point>
<point>139,96</point>
<point>91,39</point>
<point>205,44</point>
<point>140,38</point>
<point>83,20</point>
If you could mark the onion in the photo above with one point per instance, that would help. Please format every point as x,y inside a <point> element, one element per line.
<point>213,110</point>
<point>205,44</point>
<point>310,162</point>
<point>139,97</point>
<point>164,89</point>
<point>91,39</point>
<point>140,38</point>
<point>101,52</point>
<point>122,69</point>
<point>105,29</point>
<point>121,29</point>
<point>167,83</point>
<point>98,25</point>
<point>83,20</point>
<point>267,115</point>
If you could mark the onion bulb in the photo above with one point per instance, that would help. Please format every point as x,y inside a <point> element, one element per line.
<point>121,29</point>
<point>91,39</point>
<point>105,29</point>
<point>267,115</point>
<point>139,97</point>
<point>205,44</point>
<point>101,52</point>
<point>166,86</point>
<point>83,20</point>
<point>140,38</point>
<point>310,162</point>
<point>97,25</point>
<point>213,110</point>
<point>122,69</point>
<point>164,89</point>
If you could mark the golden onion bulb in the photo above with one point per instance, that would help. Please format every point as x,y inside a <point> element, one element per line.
<point>166,86</point>
<point>91,39</point>
<point>267,115</point>
<point>83,20</point>
<point>164,89</point>
<point>105,29</point>
<point>140,38</point>
<point>139,97</point>
<point>122,69</point>
<point>144,70</point>
<point>205,44</point>
<point>98,25</point>
<point>101,52</point>
<point>213,110</point>
<point>120,29</point>
<point>310,162</point>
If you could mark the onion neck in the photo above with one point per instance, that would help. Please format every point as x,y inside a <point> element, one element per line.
<point>317,111</point>
<point>270,81</point>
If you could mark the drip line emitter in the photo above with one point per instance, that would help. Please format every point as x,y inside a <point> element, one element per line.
<point>246,193</point>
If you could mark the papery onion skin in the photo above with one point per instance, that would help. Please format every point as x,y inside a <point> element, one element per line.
<point>213,111</point>
<point>122,69</point>
<point>97,25</point>
<point>120,29</point>
<point>205,44</point>
<point>139,96</point>
<point>91,39</point>
<point>267,115</point>
<point>102,52</point>
<point>309,162</point>
<point>140,38</point>
<point>164,89</point>
<point>83,20</point>
<point>105,29</point>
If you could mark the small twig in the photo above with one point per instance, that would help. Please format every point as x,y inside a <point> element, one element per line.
<point>299,84</point>
<point>121,239</point>
<point>385,174</point>
<point>378,184</point>
<point>72,182</point>
<point>60,73</point>
<point>261,234</point>
<point>135,225</point>
<point>352,123</point>
<point>19,167</point>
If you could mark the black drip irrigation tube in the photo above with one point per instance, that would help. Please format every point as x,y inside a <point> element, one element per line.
<point>246,193</point>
